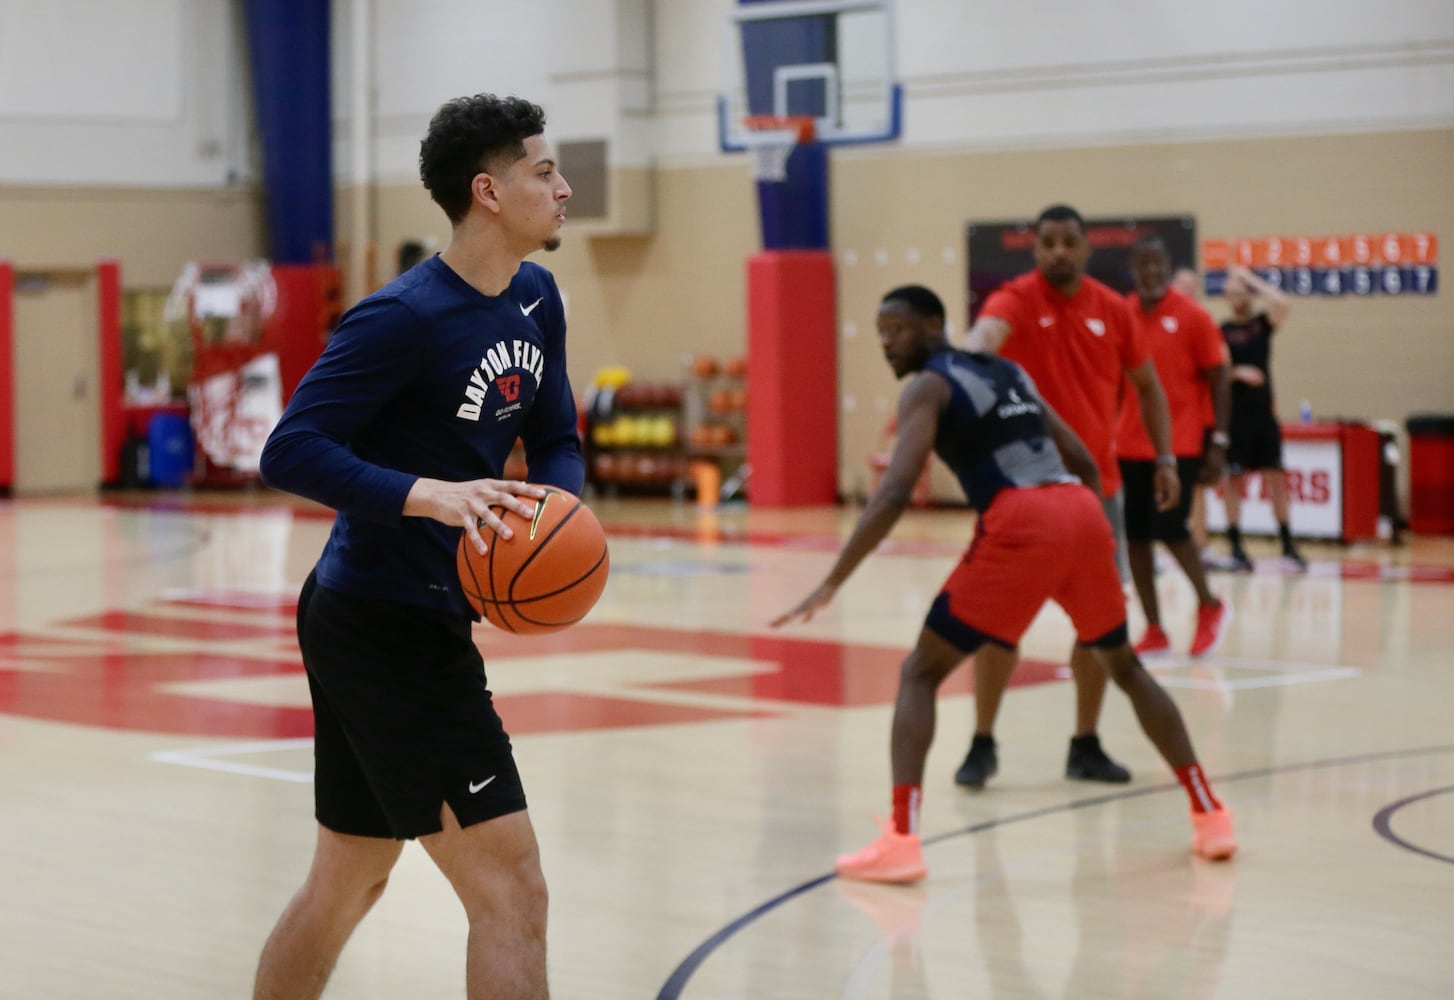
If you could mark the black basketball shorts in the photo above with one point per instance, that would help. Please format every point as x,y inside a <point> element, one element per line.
<point>403,721</point>
<point>1256,440</point>
<point>1144,523</point>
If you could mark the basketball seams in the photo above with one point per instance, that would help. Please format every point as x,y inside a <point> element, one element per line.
<point>545,622</point>
<point>462,559</point>
<point>605,553</point>
<point>491,563</point>
<point>540,547</point>
<point>601,565</point>
<point>476,598</point>
<point>499,572</point>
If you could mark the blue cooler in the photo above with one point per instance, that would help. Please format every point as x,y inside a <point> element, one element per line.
<point>169,440</point>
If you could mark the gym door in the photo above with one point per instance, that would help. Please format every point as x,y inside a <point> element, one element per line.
<point>57,405</point>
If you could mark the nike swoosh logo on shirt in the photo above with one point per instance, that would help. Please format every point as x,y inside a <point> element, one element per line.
<point>527,310</point>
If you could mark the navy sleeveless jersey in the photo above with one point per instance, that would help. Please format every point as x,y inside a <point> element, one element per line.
<point>992,433</point>
<point>427,377</point>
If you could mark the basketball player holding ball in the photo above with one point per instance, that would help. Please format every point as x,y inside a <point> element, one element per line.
<point>403,427</point>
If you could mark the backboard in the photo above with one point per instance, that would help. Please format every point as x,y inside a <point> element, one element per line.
<point>832,60</point>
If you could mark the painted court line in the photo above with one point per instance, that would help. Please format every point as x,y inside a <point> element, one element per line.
<point>682,974</point>
<point>206,758</point>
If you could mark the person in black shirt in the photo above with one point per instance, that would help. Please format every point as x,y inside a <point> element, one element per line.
<point>1256,438</point>
<point>403,426</point>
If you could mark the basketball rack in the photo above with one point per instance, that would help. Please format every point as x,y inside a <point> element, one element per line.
<point>772,138</point>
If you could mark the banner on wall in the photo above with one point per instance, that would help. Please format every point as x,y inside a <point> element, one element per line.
<point>1314,488</point>
<point>1000,251</point>
<point>1357,264</point>
<point>233,412</point>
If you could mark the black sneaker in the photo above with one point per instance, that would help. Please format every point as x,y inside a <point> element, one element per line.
<point>979,765</point>
<point>1088,762</point>
<point>1240,562</point>
<point>1293,561</point>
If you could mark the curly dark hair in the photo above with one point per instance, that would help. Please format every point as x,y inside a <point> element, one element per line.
<point>472,134</point>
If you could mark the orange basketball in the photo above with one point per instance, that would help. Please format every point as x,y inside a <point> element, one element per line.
<point>547,576</point>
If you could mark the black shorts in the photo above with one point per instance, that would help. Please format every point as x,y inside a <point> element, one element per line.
<point>1256,440</point>
<point>1144,523</point>
<point>403,721</point>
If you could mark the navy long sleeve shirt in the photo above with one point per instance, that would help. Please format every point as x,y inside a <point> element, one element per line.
<point>427,377</point>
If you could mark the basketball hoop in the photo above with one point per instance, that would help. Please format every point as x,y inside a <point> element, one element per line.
<point>772,139</point>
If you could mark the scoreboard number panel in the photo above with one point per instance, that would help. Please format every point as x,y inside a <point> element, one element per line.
<point>1355,264</point>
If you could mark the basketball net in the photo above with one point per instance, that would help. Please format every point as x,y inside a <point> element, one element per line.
<point>772,139</point>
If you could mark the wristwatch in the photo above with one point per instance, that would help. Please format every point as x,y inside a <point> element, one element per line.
<point>1165,459</point>
<point>1220,439</point>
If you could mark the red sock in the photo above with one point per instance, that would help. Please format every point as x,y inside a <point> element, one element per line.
<point>1197,789</point>
<point>906,808</point>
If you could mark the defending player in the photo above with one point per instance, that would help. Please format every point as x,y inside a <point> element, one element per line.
<point>1042,535</point>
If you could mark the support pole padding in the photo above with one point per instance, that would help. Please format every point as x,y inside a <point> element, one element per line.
<point>792,377</point>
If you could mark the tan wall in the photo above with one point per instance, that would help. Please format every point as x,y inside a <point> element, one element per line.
<point>642,301</point>
<point>152,232</point>
<point>646,301</point>
<point>1367,358</point>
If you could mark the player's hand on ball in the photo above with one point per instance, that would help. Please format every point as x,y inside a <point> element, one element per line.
<point>808,607</point>
<point>468,505</point>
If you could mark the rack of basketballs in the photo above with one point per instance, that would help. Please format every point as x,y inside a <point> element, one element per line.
<point>715,412</point>
<point>716,405</point>
<point>633,435</point>
<point>648,436</point>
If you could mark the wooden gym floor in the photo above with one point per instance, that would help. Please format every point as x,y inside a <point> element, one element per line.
<point>692,773</point>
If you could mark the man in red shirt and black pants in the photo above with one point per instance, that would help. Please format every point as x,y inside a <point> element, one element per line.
<point>1192,362</point>
<point>1076,338</point>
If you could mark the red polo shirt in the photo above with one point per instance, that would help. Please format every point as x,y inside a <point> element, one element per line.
<point>1077,350</point>
<point>1184,343</point>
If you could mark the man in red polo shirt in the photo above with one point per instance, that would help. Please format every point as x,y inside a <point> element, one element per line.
<point>1193,365</point>
<point>1077,340</point>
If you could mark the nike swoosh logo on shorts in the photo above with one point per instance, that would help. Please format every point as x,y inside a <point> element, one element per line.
<point>476,787</point>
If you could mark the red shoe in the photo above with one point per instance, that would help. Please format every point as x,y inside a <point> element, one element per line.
<point>1212,622</point>
<point>893,857</point>
<point>1212,836</point>
<point>1154,642</point>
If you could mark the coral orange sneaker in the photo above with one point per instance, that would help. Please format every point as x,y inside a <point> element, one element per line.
<point>1154,642</point>
<point>1212,622</point>
<point>1212,836</point>
<point>893,857</point>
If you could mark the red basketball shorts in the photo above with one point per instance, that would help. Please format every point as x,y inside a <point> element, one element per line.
<point>1046,543</point>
